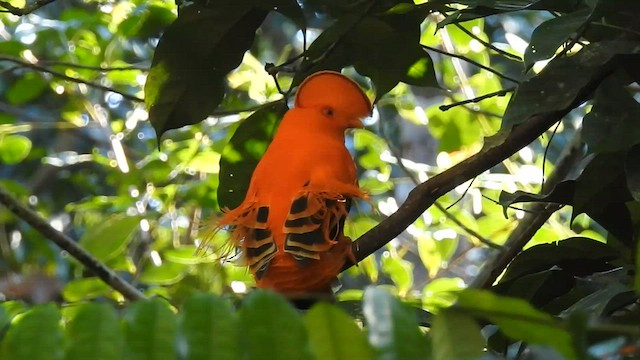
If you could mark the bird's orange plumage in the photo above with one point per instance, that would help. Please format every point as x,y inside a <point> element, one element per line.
<point>290,224</point>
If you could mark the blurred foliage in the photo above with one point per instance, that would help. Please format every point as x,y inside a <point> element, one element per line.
<point>135,181</point>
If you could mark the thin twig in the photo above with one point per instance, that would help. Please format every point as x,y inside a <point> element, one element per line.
<point>60,75</point>
<point>27,9</point>
<point>488,45</point>
<point>502,92</point>
<point>66,243</point>
<point>471,61</point>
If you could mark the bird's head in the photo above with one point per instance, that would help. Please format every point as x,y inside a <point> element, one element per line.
<point>336,96</point>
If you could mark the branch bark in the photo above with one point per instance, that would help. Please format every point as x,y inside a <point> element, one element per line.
<point>66,243</point>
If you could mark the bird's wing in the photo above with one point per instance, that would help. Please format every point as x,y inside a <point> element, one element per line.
<point>316,220</point>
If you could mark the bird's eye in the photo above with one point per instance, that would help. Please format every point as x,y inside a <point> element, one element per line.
<point>327,111</point>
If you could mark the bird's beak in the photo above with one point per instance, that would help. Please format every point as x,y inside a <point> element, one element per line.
<point>356,123</point>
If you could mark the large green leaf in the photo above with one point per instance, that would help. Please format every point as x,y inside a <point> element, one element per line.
<point>581,256</point>
<point>14,148</point>
<point>109,238</point>
<point>517,319</point>
<point>34,335</point>
<point>389,56</point>
<point>612,123</point>
<point>150,329</point>
<point>600,192</point>
<point>94,333</point>
<point>243,152</point>
<point>456,336</point>
<point>187,77</point>
<point>549,35</point>
<point>333,335</point>
<point>392,327</point>
<point>271,329</point>
<point>562,81</point>
<point>209,326</point>
<point>26,89</point>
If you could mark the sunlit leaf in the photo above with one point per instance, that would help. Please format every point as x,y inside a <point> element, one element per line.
<point>150,330</point>
<point>209,326</point>
<point>392,327</point>
<point>264,316</point>
<point>517,319</point>
<point>334,335</point>
<point>85,288</point>
<point>456,336</point>
<point>34,335</point>
<point>94,332</point>
<point>109,238</point>
<point>14,148</point>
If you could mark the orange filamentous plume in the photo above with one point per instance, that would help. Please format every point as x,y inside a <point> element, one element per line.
<point>290,224</point>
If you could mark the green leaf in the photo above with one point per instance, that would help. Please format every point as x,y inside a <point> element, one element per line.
<point>611,125</point>
<point>582,256</point>
<point>389,56</point>
<point>166,273</point>
<point>209,326</point>
<point>333,335</point>
<point>602,195</point>
<point>84,289</point>
<point>392,327</point>
<point>150,329</point>
<point>551,34</point>
<point>456,336</point>
<point>185,86</point>
<point>271,329</point>
<point>94,333</point>
<point>288,8</point>
<point>517,319</point>
<point>34,335</point>
<point>601,192</point>
<point>243,152</point>
<point>26,89</point>
<point>186,254</point>
<point>400,271</point>
<point>327,52</point>
<point>561,82</point>
<point>14,148</point>
<point>109,238</point>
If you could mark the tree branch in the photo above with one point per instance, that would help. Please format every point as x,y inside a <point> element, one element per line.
<point>60,75</point>
<point>27,9</point>
<point>66,243</point>
<point>425,194</point>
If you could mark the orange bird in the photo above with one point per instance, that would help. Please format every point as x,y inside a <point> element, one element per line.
<point>290,224</point>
